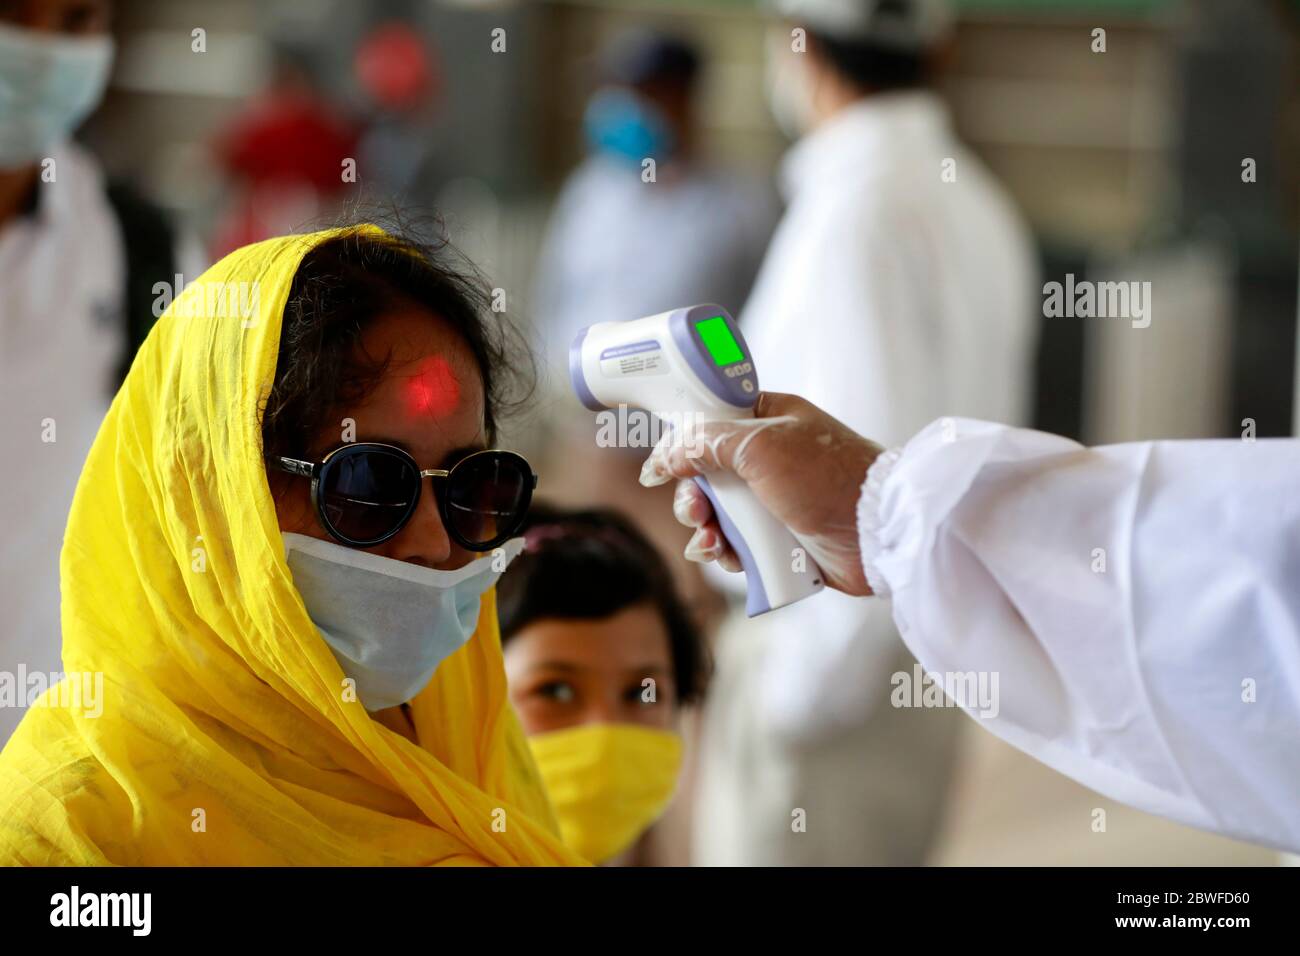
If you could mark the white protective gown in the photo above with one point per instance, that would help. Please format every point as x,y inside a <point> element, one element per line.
<point>1140,604</point>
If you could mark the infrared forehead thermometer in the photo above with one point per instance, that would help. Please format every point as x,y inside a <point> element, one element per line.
<point>692,365</point>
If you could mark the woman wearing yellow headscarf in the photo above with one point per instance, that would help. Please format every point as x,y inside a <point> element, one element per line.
<point>270,575</point>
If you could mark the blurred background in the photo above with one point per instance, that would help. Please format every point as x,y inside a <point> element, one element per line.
<point>1123,164</point>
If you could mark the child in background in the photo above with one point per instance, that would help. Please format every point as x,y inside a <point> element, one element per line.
<point>600,658</point>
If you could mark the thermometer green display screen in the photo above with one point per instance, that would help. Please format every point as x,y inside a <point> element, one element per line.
<point>717,338</point>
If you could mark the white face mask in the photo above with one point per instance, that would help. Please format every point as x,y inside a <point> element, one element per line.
<point>787,85</point>
<point>390,623</point>
<point>48,84</point>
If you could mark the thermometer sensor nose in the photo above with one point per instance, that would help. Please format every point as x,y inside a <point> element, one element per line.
<point>695,362</point>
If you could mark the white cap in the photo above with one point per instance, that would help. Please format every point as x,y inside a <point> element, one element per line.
<point>901,24</point>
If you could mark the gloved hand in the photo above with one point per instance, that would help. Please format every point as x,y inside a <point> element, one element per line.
<point>804,466</point>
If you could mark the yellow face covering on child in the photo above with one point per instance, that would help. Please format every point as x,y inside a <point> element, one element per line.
<point>223,734</point>
<point>608,782</point>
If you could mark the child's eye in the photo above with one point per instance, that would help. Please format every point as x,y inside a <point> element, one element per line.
<point>636,694</point>
<point>558,690</point>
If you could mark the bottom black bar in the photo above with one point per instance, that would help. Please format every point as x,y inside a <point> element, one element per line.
<point>369,905</point>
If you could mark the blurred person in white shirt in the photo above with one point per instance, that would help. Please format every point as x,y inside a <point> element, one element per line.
<point>79,258</point>
<point>898,288</point>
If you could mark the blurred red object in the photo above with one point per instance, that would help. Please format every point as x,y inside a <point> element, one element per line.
<point>394,67</point>
<point>284,158</point>
<point>290,137</point>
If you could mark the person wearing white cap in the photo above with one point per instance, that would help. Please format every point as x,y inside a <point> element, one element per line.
<point>898,288</point>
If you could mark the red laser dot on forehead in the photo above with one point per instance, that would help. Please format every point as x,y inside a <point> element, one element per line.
<point>433,390</point>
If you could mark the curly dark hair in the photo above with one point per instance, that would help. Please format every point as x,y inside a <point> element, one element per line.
<point>343,285</point>
<point>592,564</point>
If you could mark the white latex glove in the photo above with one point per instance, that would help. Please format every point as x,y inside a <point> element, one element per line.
<point>804,466</point>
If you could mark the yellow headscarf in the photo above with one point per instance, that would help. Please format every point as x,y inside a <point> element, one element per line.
<point>224,736</point>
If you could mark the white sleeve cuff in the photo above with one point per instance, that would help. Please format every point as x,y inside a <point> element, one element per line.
<point>870,521</point>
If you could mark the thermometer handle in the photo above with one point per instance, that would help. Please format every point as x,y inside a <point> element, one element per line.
<point>767,550</point>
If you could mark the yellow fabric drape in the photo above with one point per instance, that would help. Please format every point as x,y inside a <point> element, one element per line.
<point>225,736</point>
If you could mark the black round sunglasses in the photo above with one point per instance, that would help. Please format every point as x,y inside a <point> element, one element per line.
<point>365,492</point>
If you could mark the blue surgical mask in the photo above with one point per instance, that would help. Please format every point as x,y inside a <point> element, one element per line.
<point>49,83</point>
<point>389,623</point>
<point>622,124</point>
